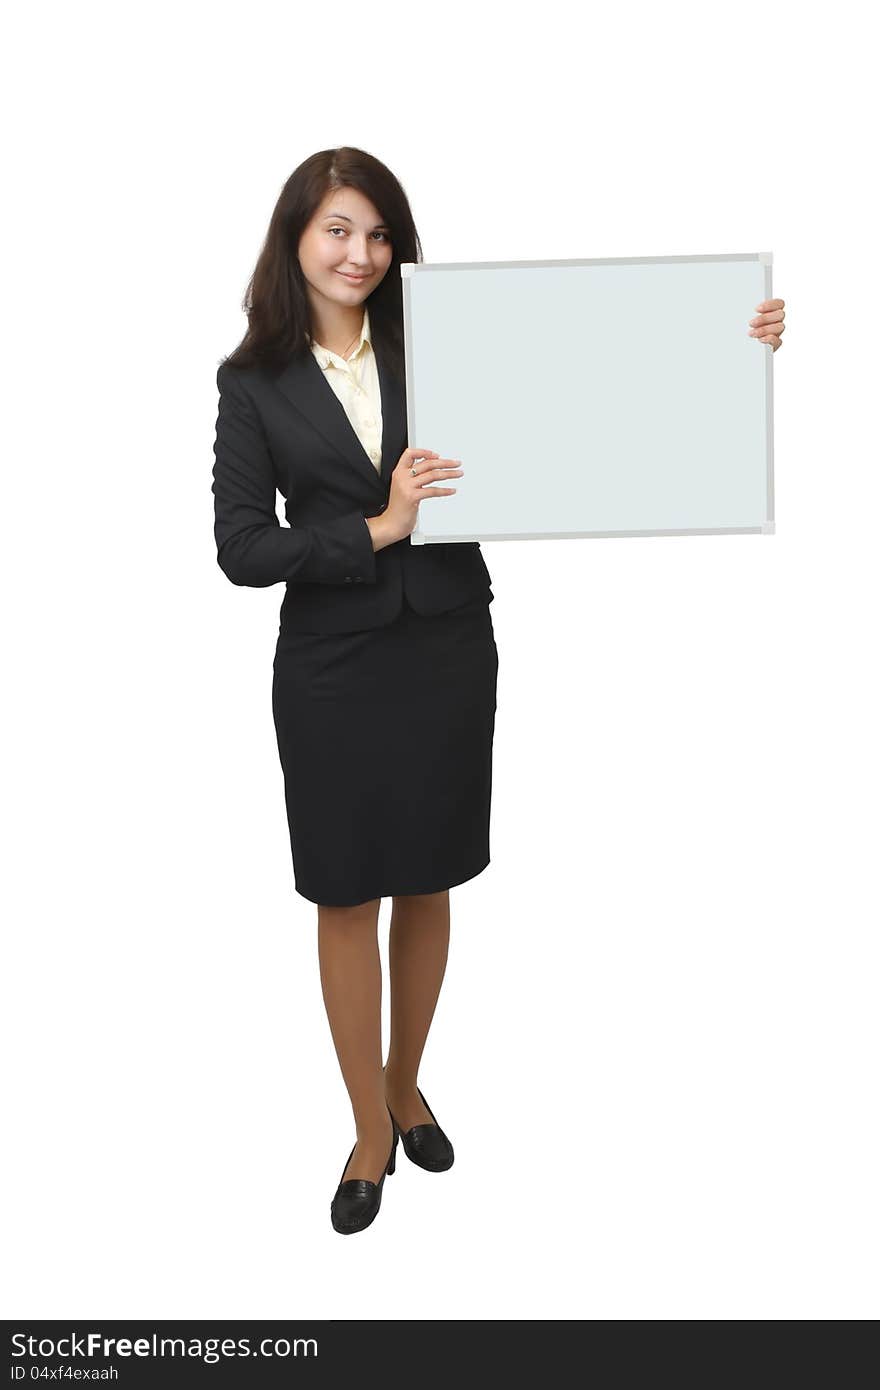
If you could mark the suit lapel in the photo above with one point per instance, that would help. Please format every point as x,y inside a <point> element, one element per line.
<point>308,390</point>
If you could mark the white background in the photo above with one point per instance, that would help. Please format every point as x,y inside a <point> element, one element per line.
<point>655,1050</point>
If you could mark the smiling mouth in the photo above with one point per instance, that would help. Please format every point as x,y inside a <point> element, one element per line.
<point>353,277</point>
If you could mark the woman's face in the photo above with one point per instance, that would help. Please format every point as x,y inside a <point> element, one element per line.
<point>346,237</point>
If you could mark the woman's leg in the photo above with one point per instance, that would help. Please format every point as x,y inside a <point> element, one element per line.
<point>417,950</point>
<point>351,980</point>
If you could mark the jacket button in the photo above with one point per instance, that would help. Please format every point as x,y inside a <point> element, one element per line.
<point>348,579</point>
<point>358,579</point>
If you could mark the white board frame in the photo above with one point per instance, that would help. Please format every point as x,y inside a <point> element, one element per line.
<point>423,535</point>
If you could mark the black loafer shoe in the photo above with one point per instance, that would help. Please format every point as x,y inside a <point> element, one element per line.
<point>427,1145</point>
<point>357,1201</point>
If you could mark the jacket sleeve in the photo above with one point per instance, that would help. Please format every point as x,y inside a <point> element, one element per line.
<point>253,547</point>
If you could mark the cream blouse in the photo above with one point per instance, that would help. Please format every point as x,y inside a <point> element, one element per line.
<point>356,383</point>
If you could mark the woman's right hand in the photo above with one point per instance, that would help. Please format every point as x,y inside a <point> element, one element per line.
<point>407,491</point>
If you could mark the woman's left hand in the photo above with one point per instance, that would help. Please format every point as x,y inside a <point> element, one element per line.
<point>769,325</point>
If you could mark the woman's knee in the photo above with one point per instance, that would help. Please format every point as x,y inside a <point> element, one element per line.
<point>355,913</point>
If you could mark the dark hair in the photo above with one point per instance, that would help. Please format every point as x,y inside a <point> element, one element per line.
<point>276,303</point>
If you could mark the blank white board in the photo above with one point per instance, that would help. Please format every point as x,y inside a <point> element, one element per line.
<point>613,397</point>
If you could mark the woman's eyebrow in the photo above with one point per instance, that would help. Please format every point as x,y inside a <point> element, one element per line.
<point>342,218</point>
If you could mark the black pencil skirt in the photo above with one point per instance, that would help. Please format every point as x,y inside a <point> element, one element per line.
<point>385,739</point>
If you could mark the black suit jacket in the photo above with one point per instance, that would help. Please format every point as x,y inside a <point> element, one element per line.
<point>289,432</point>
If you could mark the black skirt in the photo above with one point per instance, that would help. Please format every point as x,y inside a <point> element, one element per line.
<point>385,739</point>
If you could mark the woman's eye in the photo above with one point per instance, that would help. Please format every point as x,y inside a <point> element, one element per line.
<point>383,235</point>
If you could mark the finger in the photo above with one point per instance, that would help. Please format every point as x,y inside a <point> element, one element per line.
<point>776,316</point>
<point>771,304</point>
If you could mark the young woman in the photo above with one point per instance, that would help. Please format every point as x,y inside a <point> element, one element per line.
<point>385,673</point>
